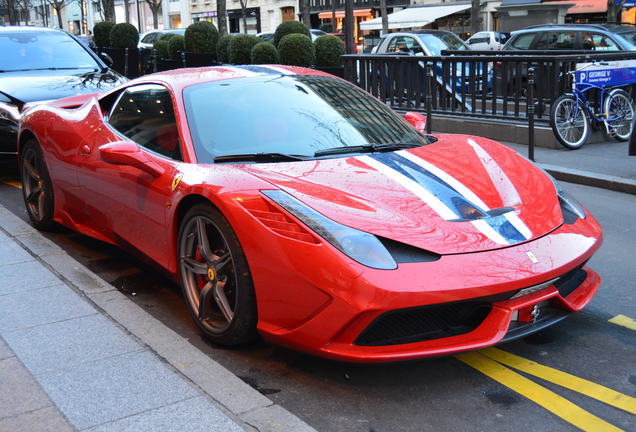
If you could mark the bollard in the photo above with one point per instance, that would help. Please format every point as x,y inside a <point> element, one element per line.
<point>126,62</point>
<point>530,111</point>
<point>429,97</point>
<point>154,61</point>
<point>184,63</point>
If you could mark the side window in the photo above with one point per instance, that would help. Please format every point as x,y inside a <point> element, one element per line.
<point>412,45</point>
<point>557,40</point>
<point>149,38</point>
<point>522,42</point>
<point>597,42</point>
<point>396,44</point>
<point>145,114</point>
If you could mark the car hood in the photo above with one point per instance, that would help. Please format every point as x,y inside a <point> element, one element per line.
<point>35,86</point>
<point>461,194</point>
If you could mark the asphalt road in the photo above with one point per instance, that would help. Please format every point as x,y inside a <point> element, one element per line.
<point>441,394</point>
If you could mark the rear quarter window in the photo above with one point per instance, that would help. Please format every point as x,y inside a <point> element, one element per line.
<point>523,41</point>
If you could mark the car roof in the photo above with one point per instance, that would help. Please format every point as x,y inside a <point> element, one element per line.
<point>27,29</point>
<point>608,27</point>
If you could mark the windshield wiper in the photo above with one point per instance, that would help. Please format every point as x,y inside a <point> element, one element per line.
<point>367,148</point>
<point>259,157</point>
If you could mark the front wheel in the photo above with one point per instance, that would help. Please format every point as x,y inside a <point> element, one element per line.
<point>619,112</point>
<point>215,277</point>
<point>37,188</point>
<point>570,122</point>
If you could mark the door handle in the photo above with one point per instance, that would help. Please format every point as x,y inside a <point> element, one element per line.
<point>86,150</point>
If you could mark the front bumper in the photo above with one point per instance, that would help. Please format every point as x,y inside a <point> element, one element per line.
<point>334,331</point>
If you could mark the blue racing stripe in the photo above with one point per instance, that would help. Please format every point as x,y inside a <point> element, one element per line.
<point>505,229</point>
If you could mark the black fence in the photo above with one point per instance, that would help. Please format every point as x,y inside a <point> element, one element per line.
<point>481,84</point>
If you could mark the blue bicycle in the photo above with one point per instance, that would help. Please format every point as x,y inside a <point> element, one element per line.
<point>571,114</point>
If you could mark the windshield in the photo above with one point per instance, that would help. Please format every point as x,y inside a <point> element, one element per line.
<point>436,42</point>
<point>288,114</point>
<point>26,50</point>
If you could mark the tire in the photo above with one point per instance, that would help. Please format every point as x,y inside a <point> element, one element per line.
<point>37,188</point>
<point>571,128</point>
<point>620,105</point>
<point>215,278</point>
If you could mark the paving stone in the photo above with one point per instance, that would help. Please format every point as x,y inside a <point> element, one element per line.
<point>80,276</point>
<point>25,276</point>
<point>5,351</point>
<point>4,238</point>
<point>38,244</point>
<point>271,418</point>
<point>41,306</point>
<point>43,420</point>
<point>11,253</point>
<point>110,389</point>
<point>192,415</point>
<point>70,342</point>
<point>13,224</point>
<point>19,392</point>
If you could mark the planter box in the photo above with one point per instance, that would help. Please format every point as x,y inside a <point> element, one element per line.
<point>200,59</point>
<point>126,61</point>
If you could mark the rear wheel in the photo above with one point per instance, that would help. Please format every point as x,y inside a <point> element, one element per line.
<point>37,188</point>
<point>215,278</point>
<point>619,112</point>
<point>570,122</point>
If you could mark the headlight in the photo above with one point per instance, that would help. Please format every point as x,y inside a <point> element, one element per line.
<point>361,246</point>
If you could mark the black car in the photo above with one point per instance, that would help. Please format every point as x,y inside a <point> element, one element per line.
<point>39,65</point>
<point>570,37</point>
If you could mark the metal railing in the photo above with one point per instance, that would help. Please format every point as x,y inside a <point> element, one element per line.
<point>480,84</point>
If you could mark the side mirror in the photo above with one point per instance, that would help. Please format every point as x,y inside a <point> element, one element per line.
<point>107,59</point>
<point>129,153</point>
<point>417,120</point>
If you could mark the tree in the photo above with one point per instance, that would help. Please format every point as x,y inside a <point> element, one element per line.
<point>385,17</point>
<point>614,10</point>
<point>107,9</point>
<point>43,11</point>
<point>24,6</point>
<point>155,6</point>
<point>304,12</point>
<point>58,5</point>
<point>474,16</point>
<point>221,17</point>
<point>244,14</point>
<point>127,11</point>
<point>11,7</point>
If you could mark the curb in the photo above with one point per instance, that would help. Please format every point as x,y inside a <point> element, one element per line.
<point>588,178</point>
<point>252,410</point>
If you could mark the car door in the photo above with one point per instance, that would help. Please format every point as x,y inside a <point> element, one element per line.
<point>127,204</point>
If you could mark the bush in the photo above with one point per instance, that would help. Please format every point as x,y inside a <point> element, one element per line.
<point>240,48</point>
<point>223,49</point>
<point>124,35</point>
<point>175,44</point>
<point>264,53</point>
<point>329,48</point>
<point>326,27</point>
<point>201,37</point>
<point>167,36</point>
<point>296,50</point>
<point>289,27</point>
<point>101,33</point>
<point>161,48</point>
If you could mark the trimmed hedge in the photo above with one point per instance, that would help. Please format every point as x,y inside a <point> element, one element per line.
<point>329,48</point>
<point>161,47</point>
<point>124,35</point>
<point>326,27</point>
<point>167,36</point>
<point>175,44</point>
<point>223,49</point>
<point>264,53</point>
<point>101,33</point>
<point>296,50</point>
<point>201,37</point>
<point>290,27</point>
<point>240,48</point>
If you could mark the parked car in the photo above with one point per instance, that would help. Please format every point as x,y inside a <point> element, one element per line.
<point>588,37</point>
<point>487,41</point>
<point>319,219</point>
<point>147,40</point>
<point>42,64</point>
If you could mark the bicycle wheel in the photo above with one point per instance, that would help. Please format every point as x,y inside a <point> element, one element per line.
<point>619,112</point>
<point>570,123</point>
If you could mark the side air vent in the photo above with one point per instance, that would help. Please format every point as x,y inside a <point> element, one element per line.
<point>403,253</point>
<point>278,222</point>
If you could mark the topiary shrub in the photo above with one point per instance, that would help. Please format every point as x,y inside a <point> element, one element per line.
<point>101,33</point>
<point>124,35</point>
<point>222,49</point>
<point>175,44</point>
<point>296,50</point>
<point>329,48</point>
<point>264,53</point>
<point>240,48</point>
<point>326,27</point>
<point>167,36</point>
<point>161,48</point>
<point>201,37</point>
<point>289,27</point>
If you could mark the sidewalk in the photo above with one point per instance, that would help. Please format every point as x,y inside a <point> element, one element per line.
<point>600,164</point>
<point>77,355</point>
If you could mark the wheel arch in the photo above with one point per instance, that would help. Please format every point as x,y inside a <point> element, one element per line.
<point>25,135</point>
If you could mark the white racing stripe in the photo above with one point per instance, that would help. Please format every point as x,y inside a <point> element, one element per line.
<point>242,71</point>
<point>279,69</point>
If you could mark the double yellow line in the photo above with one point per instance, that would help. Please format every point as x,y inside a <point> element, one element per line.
<point>492,362</point>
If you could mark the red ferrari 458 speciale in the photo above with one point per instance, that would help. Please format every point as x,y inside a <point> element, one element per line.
<point>291,204</point>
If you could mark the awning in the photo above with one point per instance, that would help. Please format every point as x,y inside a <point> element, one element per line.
<point>341,14</point>
<point>585,6</point>
<point>414,17</point>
